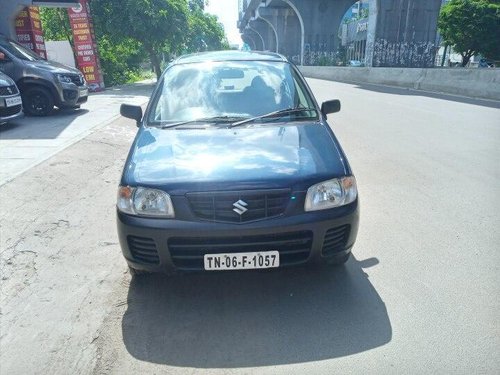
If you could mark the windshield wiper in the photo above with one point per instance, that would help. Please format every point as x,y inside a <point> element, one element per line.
<point>215,119</point>
<point>277,114</point>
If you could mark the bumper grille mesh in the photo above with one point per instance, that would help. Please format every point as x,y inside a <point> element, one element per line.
<point>335,240</point>
<point>188,253</point>
<point>143,250</point>
<point>10,111</point>
<point>8,90</point>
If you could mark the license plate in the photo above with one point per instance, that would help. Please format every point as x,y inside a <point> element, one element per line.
<point>84,92</point>
<point>10,102</point>
<point>242,261</point>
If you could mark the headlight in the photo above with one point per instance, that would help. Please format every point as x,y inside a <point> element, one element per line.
<point>332,193</point>
<point>145,202</point>
<point>63,78</point>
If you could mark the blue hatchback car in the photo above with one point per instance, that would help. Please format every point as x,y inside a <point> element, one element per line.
<point>234,167</point>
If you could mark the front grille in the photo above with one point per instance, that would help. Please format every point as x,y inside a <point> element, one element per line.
<point>219,206</point>
<point>70,94</point>
<point>187,253</point>
<point>8,90</point>
<point>10,111</point>
<point>335,240</point>
<point>77,79</point>
<point>143,250</point>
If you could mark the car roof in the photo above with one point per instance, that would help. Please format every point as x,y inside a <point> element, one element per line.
<point>231,55</point>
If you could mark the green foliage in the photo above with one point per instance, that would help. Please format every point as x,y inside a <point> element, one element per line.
<point>197,5</point>
<point>471,27</point>
<point>364,13</point>
<point>130,31</point>
<point>55,23</point>
<point>158,25</point>
<point>120,61</point>
<point>205,33</point>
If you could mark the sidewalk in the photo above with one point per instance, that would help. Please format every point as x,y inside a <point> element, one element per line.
<point>29,141</point>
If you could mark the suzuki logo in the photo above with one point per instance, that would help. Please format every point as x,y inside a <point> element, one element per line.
<point>9,90</point>
<point>240,207</point>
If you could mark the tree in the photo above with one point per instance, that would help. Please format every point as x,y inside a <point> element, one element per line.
<point>120,60</point>
<point>205,32</point>
<point>471,27</point>
<point>158,25</point>
<point>55,23</point>
<point>197,5</point>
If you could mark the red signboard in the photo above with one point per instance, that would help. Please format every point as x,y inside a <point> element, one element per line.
<point>86,54</point>
<point>29,31</point>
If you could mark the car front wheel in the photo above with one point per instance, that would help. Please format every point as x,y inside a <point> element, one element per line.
<point>38,101</point>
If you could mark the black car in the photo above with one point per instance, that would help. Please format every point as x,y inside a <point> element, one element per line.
<point>234,167</point>
<point>10,100</point>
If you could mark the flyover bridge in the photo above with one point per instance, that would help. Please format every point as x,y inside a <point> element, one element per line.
<point>399,33</point>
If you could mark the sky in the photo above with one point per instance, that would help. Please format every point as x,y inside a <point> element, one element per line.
<point>227,11</point>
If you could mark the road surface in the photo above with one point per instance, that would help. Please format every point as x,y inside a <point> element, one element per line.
<point>420,295</point>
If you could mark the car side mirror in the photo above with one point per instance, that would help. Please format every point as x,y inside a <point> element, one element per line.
<point>132,111</point>
<point>330,106</point>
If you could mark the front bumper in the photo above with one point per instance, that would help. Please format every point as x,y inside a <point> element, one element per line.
<point>71,95</point>
<point>9,113</point>
<point>166,245</point>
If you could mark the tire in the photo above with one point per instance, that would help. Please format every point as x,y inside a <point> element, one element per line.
<point>137,273</point>
<point>38,101</point>
<point>339,260</point>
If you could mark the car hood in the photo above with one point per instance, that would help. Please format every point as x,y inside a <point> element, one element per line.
<point>52,66</point>
<point>5,80</point>
<point>267,156</point>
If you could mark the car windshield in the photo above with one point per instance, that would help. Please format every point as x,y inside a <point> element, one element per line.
<point>228,91</point>
<point>18,50</point>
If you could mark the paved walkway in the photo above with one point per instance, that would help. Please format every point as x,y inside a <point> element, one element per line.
<point>28,141</point>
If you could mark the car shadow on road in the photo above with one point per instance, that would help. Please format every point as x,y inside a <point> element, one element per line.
<point>49,127</point>
<point>247,319</point>
<point>428,94</point>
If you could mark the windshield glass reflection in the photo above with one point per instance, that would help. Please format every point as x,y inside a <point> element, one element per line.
<point>235,88</point>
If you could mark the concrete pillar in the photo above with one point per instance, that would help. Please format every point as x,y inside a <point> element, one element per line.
<point>256,37</point>
<point>8,13</point>
<point>371,31</point>
<point>406,33</point>
<point>287,26</point>
<point>249,40</point>
<point>272,33</point>
<point>299,16</point>
<point>320,20</point>
<point>266,32</point>
<point>401,33</point>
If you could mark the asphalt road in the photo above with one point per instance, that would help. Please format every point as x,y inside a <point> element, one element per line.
<point>421,294</point>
